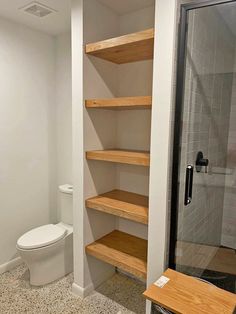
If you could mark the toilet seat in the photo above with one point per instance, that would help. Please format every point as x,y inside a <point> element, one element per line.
<point>41,237</point>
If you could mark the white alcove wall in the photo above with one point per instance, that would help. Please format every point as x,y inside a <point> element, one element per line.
<point>90,78</point>
<point>102,129</point>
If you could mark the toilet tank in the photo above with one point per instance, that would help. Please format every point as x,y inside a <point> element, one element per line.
<point>66,204</point>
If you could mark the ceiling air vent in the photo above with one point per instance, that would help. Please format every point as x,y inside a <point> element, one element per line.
<point>37,9</point>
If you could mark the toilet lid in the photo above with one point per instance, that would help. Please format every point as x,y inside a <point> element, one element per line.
<point>41,236</point>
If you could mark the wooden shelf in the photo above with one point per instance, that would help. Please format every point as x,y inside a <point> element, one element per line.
<point>140,158</point>
<point>140,102</point>
<point>123,204</point>
<point>128,48</point>
<point>188,295</point>
<point>121,250</point>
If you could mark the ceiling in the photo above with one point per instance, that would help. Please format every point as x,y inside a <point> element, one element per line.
<point>59,21</point>
<point>53,24</point>
<point>126,6</point>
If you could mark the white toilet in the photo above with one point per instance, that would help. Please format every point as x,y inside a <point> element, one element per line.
<point>48,250</point>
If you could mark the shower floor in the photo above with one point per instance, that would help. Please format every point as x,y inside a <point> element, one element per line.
<point>118,295</point>
<point>214,264</point>
<point>214,258</point>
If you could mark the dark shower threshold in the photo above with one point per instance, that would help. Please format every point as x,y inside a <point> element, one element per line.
<point>220,279</point>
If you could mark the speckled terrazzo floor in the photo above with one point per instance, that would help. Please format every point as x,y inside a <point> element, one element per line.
<point>118,295</point>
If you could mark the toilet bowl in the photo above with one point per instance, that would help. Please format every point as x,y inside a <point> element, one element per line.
<point>48,252</point>
<point>48,249</point>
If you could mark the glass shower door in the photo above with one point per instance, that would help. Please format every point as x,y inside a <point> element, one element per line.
<point>203,228</point>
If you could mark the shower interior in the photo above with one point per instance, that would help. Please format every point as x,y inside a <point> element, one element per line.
<point>205,245</point>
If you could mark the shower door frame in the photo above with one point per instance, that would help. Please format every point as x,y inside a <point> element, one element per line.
<point>182,34</point>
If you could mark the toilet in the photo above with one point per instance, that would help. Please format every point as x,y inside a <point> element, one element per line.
<point>48,250</point>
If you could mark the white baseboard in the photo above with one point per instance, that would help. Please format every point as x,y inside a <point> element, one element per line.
<point>10,265</point>
<point>84,292</point>
<point>148,307</point>
<point>81,292</point>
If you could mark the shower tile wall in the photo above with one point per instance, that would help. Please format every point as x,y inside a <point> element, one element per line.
<point>205,125</point>
<point>229,216</point>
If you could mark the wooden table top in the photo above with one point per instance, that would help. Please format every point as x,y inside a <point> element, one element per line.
<point>187,295</point>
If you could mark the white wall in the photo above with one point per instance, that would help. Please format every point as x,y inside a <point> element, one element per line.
<point>91,130</point>
<point>163,79</point>
<point>27,135</point>
<point>63,111</point>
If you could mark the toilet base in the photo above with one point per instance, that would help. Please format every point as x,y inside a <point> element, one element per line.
<point>49,263</point>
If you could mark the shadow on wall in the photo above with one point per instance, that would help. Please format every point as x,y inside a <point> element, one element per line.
<point>102,71</point>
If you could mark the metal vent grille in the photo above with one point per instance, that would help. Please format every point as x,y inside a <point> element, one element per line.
<point>38,9</point>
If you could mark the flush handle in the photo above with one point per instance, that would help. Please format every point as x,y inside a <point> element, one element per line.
<point>188,185</point>
<point>201,162</point>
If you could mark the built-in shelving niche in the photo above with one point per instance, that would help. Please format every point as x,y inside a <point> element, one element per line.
<point>117,125</point>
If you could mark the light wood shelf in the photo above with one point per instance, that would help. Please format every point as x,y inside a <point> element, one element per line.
<point>123,204</point>
<point>123,49</point>
<point>188,295</point>
<point>140,158</point>
<point>121,250</point>
<point>139,102</point>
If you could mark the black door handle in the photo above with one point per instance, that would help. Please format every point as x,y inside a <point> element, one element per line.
<point>201,162</point>
<point>188,185</point>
